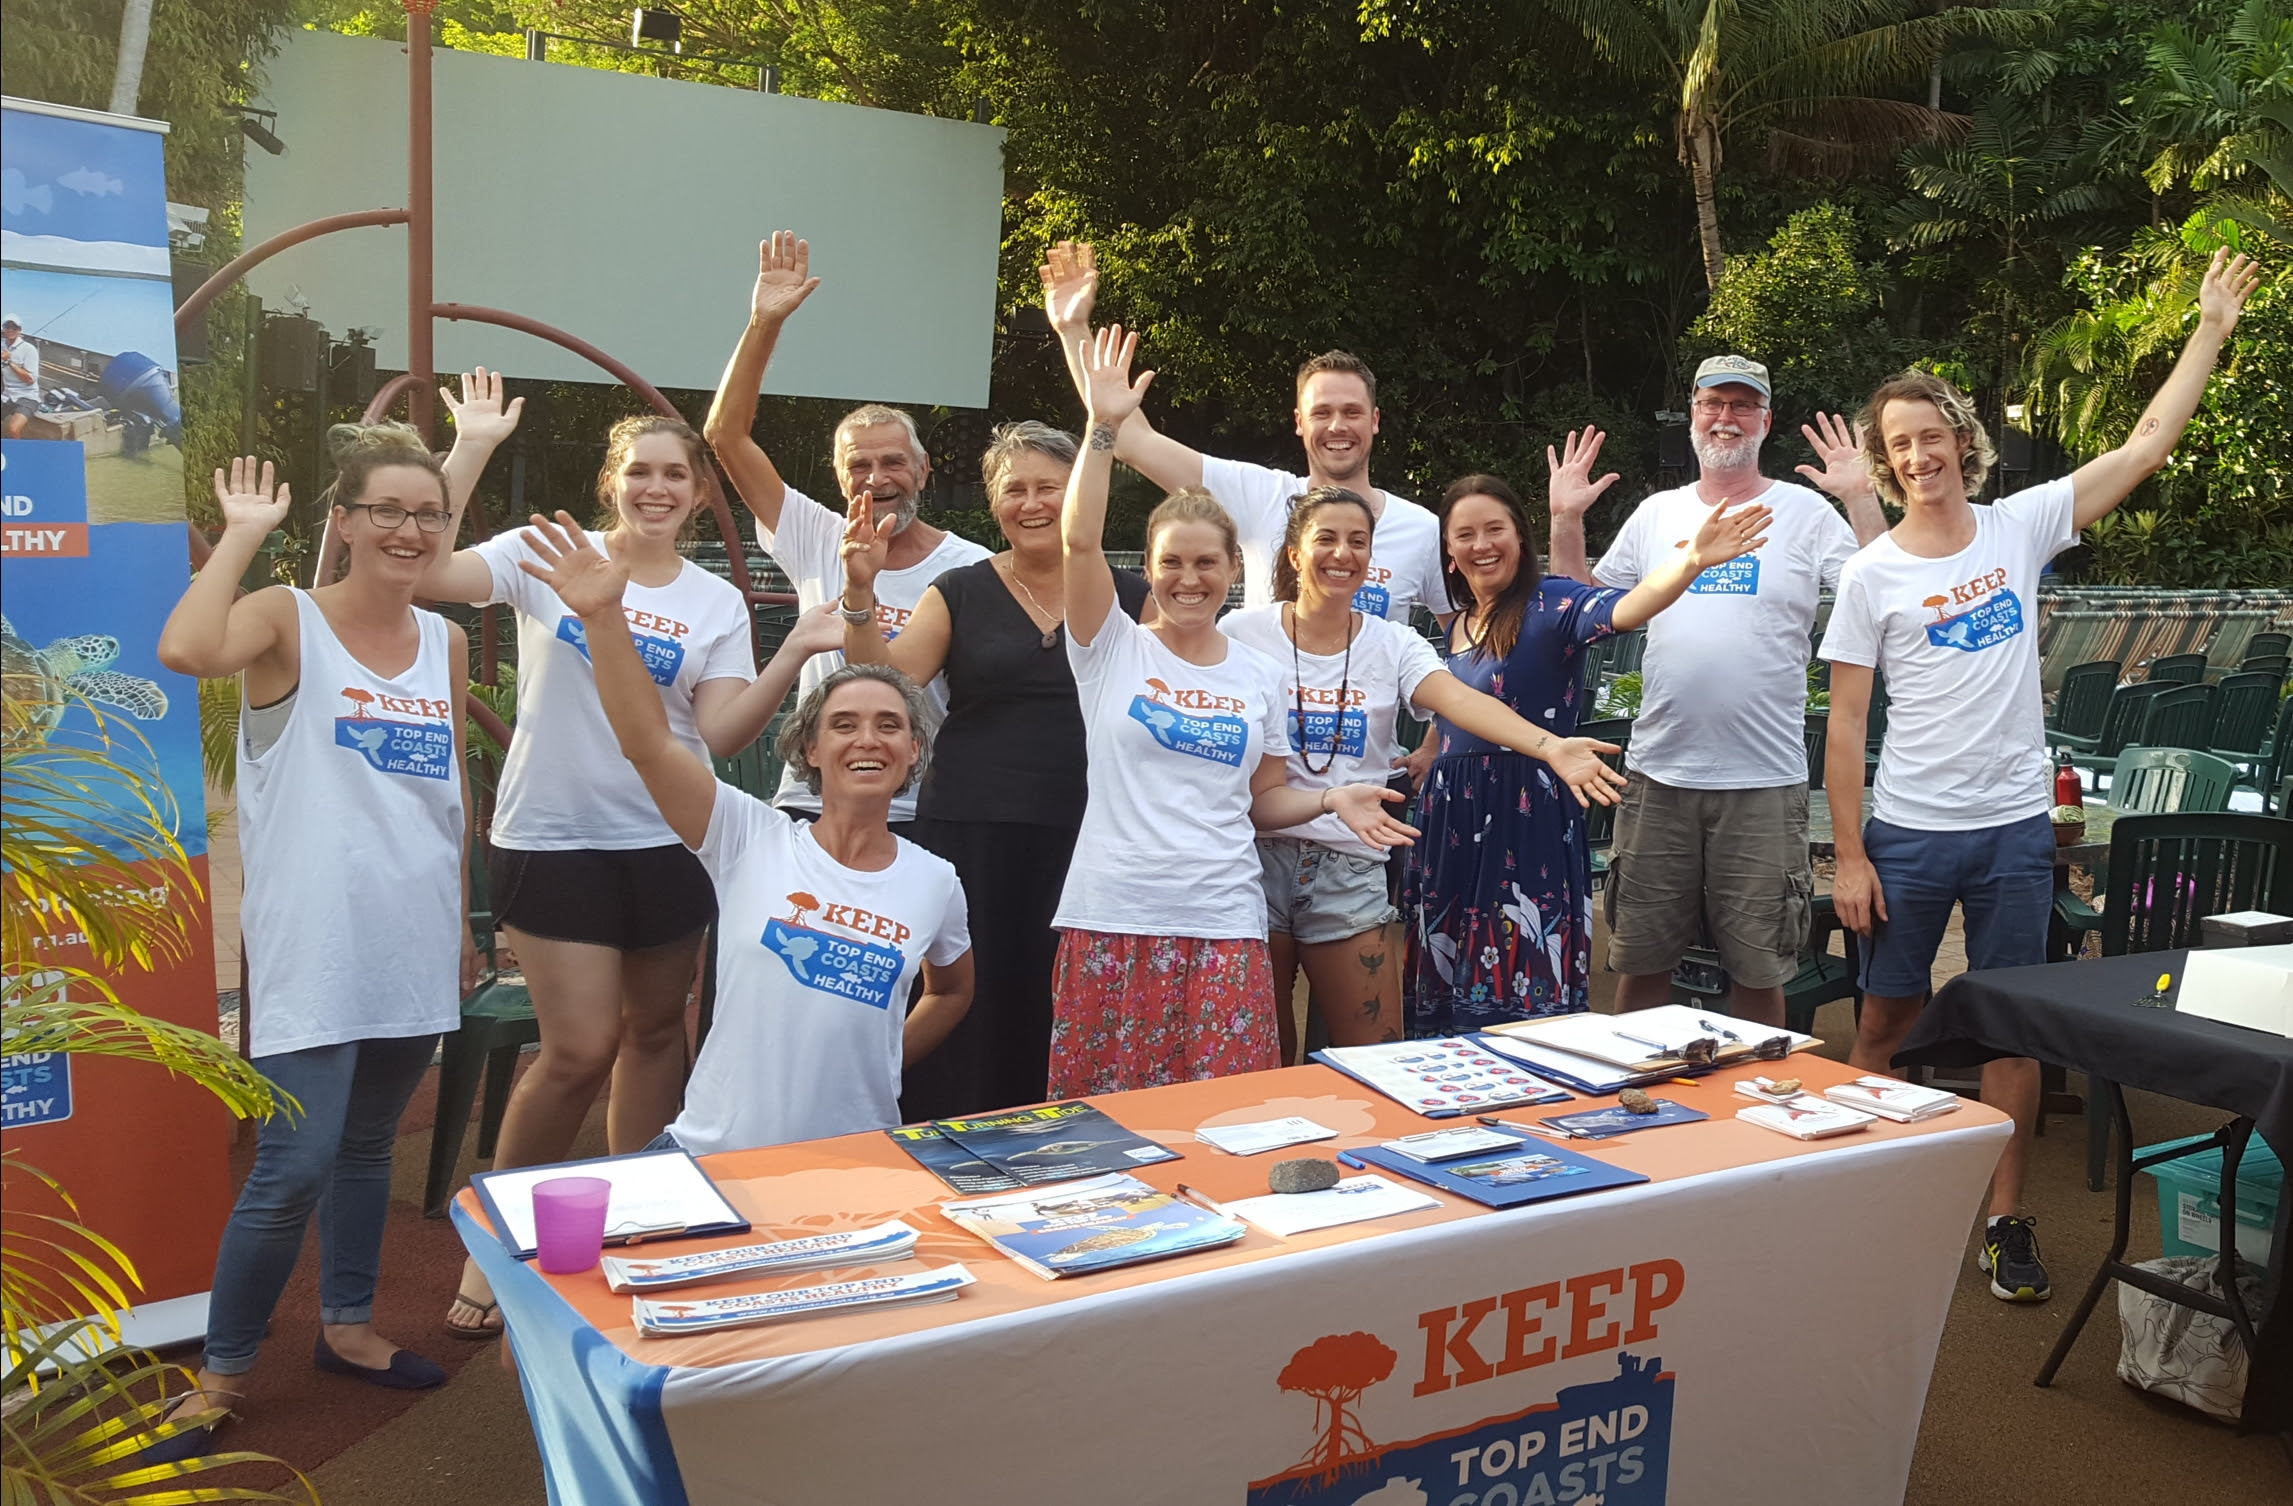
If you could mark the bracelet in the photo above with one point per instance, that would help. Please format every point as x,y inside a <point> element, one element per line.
<point>854,614</point>
<point>1323,804</point>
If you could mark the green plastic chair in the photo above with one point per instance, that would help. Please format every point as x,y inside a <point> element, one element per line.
<point>1818,741</point>
<point>2268,643</point>
<point>1600,820</point>
<point>2083,701</point>
<point>2166,874</point>
<point>497,1022</point>
<point>2245,704</point>
<point>2277,759</point>
<point>2178,669</point>
<point>2181,717</point>
<point>2276,664</point>
<point>2121,727</point>
<point>2157,781</point>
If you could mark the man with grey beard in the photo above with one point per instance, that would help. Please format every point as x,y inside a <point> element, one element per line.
<point>1713,824</point>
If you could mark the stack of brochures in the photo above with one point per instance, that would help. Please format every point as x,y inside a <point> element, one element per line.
<point>1441,1078</point>
<point>1097,1225</point>
<point>1525,1171</point>
<point>1055,1142</point>
<point>1352,1201</point>
<point>1599,1053</point>
<point>672,1318</point>
<point>1892,1098</point>
<point>876,1246</point>
<point>1805,1117</point>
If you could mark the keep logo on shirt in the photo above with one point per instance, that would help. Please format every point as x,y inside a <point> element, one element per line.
<point>860,970</point>
<point>1323,726</point>
<point>1977,615</point>
<point>891,619</point>
<point>410,736</point>
<point>1197,723</point>
<point>1374,596</point>
<point>659,641</point>
<point>1737,577</point>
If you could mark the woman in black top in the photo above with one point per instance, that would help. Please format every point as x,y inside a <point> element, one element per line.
<point>1004,795</point>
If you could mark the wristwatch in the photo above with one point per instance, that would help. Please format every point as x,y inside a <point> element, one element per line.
<point>854,614</point>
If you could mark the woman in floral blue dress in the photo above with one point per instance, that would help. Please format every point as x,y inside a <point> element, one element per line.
<point>1500,884</point>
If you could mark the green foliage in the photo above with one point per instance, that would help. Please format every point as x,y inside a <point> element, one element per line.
<point>1812,312</point>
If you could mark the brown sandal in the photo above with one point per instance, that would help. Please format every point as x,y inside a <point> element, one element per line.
<point>481,1330</point>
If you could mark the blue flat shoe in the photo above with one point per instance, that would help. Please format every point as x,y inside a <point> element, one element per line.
<point>407,1371</point>
<point>191,1443</point>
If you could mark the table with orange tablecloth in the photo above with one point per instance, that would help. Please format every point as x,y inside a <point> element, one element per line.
<point>1755,1323</point>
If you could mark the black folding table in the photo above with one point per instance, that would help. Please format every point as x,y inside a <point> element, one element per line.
<point>2091,1016</point>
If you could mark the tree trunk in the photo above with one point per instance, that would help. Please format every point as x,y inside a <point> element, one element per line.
<point>1703,152</point>
<point>134,33</point>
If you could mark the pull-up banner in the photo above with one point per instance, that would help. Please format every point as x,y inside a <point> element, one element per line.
<point>92,558</point>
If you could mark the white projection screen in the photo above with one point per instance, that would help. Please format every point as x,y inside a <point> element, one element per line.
<point>626,210</point>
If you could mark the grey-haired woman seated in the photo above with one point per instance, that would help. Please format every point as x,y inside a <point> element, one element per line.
<point>822,925</point>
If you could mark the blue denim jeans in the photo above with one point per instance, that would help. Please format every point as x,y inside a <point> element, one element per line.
<point>334,1158</point>
<point>2001,878</point>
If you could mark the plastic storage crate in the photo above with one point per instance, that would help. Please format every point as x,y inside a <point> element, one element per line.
<point>2189,1199</point>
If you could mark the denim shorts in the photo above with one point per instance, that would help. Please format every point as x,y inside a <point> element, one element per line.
<point>1316,893</point>
<point>2001,877</point>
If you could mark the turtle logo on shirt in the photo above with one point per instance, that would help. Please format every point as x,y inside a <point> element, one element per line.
<point>413,736</point>
<point>663,654</point>
<point>1995,617</point>
<point>1198,723</point>
<point>859,970</point>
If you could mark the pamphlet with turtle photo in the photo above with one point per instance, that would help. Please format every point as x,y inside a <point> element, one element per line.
<point>1053,1142</point>
<point>1097,1225</point>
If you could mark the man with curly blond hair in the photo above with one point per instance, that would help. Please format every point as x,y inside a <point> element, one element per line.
<point>1944,605</point>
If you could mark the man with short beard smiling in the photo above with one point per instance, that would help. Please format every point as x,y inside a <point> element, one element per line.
<point>1712,831</point>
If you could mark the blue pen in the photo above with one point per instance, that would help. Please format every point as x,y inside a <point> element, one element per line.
<point>1346,1158</point>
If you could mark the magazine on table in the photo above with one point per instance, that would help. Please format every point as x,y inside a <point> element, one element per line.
<point>876,1246</point>
<point>1647,1040</point>
<point>657,1194</point>
<point>1806,1117</point>
<point>1098,1225</point>
<point>1533,1171</point>
<point>672,1317</point>
<point>1053,1142</point>
<point>1616,1119</point>
<point>1440,1078</point>
<point>1892,1098</point>
<point>950,1162</point>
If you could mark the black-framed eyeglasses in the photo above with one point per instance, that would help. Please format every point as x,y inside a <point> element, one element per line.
<point>389,515</point>
<point>1742,407</point>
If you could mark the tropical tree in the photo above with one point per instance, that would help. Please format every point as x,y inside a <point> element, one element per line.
<point>1335,1370</point>
<point>1811,77</point>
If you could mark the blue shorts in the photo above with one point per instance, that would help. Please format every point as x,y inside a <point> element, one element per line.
<point>2002,877</point>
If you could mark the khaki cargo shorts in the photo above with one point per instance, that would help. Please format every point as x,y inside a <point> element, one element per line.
<point>1731,864</point>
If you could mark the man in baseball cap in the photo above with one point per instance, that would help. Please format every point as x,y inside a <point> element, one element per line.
<point>1711,835</point>
<point>19,377</point>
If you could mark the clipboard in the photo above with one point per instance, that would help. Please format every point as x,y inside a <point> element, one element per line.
<point>673,1199</point>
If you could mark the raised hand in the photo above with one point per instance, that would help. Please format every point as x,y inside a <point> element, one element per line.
<point>1725,534</point>
<point>818,631</point>
<point>1070,276</point>
<point>586,579</point>
<point>482,417</point>
<point>1362,808</point>
<point>1835,443</point>
<point>1571,489</point>
<point>1576,762</point>
<point>1108,391</point>
<point>783,278</point>
<point>867,544</point>
<point>2229,281</point>
<point>249,504</point>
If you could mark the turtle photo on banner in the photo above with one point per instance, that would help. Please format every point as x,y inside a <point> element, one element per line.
<point>93,556</point>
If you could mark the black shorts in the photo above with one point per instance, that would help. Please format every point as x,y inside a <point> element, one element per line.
<point>626,899</point>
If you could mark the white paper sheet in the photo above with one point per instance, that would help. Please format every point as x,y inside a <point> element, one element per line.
<point>1263,1135</point>
<point>657,1191</point>
<point>1350,1202</point>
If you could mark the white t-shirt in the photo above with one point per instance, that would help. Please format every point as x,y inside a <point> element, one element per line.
<point>1725,700</point>
<point>566,784</point>
<point>1405,551</point>
<point>1957,640</point>
<point>814,968</point>
<point>1167,848</point>
<point>809,544</point>
<point>1385,666</point>
<point>25,355</point>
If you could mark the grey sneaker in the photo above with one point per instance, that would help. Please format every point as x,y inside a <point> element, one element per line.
<point>2010,1256</point>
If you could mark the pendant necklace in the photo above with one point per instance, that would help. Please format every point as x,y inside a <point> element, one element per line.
<point>1051,635</point>
<point>1298,690</point>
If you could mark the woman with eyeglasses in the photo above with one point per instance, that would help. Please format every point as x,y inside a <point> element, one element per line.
<point>602,903</point>
<point>352,831</point>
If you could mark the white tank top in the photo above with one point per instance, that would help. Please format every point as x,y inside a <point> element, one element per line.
<point>350,833</point>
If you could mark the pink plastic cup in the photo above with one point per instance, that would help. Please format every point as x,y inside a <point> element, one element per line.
<point>569,1223</point>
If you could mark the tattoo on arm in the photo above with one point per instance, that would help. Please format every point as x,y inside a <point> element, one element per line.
<point>2149,427</point>
<point>1102,437</point>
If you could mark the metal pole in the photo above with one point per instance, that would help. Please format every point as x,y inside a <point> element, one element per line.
<point>421,216</point>
<point>238,266</point>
